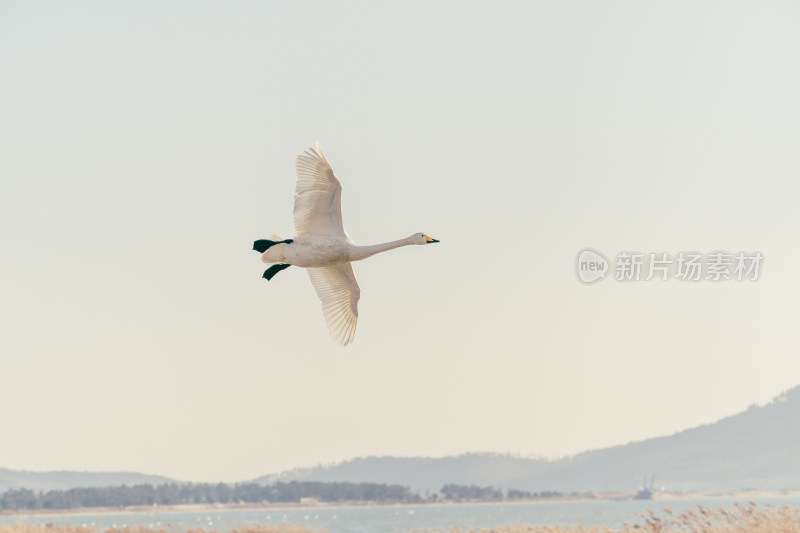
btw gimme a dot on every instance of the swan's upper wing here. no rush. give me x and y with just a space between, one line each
338 290
317 196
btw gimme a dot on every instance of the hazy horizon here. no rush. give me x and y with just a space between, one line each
532 456
146 145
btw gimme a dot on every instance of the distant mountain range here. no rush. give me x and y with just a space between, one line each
44 481
756 449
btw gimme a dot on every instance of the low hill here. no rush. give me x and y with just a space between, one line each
421 473
755 449
44 481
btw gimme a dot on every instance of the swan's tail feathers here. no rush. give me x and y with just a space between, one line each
262 245
274 269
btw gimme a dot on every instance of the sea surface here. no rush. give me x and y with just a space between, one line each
402 518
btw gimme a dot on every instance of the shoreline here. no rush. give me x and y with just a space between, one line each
197 508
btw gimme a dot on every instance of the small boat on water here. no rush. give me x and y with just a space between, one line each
645 492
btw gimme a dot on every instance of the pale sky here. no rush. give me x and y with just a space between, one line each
145 145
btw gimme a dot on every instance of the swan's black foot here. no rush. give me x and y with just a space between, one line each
262 245
274 269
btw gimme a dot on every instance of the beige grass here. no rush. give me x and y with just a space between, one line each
739 519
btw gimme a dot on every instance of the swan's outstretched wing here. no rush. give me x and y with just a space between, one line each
317 196
338 290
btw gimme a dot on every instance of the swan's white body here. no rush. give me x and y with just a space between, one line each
314 251
322 246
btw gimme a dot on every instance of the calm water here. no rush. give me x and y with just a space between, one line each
404 518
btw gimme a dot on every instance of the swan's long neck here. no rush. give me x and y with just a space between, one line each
362 252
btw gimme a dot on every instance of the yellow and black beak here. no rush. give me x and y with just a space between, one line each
430 239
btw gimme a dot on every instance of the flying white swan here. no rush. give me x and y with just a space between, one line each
322 247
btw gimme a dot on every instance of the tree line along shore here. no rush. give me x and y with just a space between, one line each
15 500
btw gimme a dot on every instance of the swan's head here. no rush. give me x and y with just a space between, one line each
421 238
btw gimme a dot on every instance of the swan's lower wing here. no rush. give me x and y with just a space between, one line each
338 290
